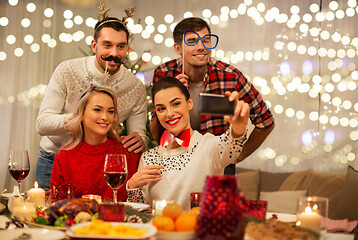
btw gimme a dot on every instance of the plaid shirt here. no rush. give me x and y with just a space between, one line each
222 77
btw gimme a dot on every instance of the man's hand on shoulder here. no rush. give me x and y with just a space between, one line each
134 142
184 79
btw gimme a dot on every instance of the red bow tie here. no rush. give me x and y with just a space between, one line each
182 139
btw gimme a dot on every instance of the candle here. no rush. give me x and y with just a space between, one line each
24 211
309 220
158 206
36 195
195 198
97 198
14 201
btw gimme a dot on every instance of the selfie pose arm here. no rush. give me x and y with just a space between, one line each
241 115
228 146
256 138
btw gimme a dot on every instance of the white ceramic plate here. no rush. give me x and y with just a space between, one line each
340 236
36 225
283 217
7 195
36 234
175 236
137 206
148 228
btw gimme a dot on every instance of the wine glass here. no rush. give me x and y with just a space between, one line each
19 165
115 171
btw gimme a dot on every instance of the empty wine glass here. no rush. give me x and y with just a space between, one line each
19 165
115 171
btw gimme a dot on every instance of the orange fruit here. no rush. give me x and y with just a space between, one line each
195 211
185 223
172 210
163 223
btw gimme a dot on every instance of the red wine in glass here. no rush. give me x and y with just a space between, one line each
19 174
115 179
19 165
115 171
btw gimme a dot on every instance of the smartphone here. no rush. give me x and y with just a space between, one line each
215 104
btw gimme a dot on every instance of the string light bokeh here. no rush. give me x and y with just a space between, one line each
306 69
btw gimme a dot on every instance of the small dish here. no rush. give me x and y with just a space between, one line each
7 195
148 228
35 234
175 236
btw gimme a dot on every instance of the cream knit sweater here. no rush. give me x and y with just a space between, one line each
69 81
185 169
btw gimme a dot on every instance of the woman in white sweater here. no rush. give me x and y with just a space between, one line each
173 172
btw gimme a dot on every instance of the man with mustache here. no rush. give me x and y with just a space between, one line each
203 74
73 77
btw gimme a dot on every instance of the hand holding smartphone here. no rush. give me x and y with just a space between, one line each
215 104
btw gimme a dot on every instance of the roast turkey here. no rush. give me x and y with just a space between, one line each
71 207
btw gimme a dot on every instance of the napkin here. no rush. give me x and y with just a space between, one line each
339 225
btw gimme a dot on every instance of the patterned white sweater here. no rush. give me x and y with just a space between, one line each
185 169
69 81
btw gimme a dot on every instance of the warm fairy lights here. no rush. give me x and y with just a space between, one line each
300 77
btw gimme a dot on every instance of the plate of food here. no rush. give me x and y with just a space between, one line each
73 211
98 230
65 213
275 229
36 225
33 234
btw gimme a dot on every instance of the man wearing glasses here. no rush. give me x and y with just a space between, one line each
203 74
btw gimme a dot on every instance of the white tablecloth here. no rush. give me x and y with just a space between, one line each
329 236
338 236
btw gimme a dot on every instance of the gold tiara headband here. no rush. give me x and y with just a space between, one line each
104 18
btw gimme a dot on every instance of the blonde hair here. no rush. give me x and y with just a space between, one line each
74 124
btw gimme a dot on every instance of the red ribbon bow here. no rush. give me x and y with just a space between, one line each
182 139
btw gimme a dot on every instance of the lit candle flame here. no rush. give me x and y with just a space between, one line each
298 223
315 207
308 210
196 196
36 185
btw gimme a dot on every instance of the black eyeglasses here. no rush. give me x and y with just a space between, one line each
209 41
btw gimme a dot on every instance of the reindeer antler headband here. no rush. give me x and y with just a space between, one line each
104 18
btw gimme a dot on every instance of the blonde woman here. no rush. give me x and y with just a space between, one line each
93 135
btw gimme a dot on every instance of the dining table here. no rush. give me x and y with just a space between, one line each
4 219
54 234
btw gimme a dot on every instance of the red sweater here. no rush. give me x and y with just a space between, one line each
83 166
